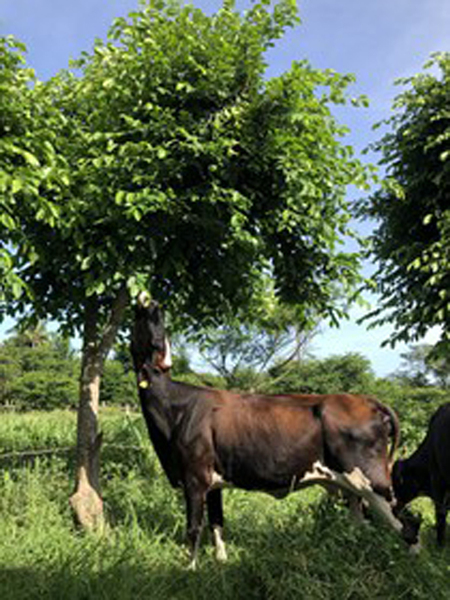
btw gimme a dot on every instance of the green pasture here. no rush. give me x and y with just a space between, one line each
304 547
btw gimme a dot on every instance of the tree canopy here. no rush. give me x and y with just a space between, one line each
190 174
29 165
411 243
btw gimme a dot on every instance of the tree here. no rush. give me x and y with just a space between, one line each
35 373
190 175
422 367
412 240
244 350
28 161
32 337
349 372
414 370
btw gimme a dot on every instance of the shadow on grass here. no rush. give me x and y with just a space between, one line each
304 547
298 552
302 550
127 581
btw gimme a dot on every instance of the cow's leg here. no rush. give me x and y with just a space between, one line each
355 506
440 506
195 503
441 519
215 518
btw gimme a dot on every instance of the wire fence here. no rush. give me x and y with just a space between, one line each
32 454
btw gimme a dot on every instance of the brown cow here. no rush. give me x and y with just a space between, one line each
207 438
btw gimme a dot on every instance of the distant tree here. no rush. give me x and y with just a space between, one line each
422 367
118 384
191 175
439 365
30 337
412 240
414 370
241 353
35 374
350 372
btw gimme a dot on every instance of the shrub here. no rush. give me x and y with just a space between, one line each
43 390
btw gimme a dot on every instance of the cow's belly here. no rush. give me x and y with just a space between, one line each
275 470
265 448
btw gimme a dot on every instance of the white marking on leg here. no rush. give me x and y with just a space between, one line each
193 564
218 482
194 553
219 544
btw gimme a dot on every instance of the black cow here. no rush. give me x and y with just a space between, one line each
207 438
427 471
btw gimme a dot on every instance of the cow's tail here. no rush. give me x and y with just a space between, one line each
394 433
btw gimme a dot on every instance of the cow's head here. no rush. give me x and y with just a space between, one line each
411 525
405 483
357 432
150 347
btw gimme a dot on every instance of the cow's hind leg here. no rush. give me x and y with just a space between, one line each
195 504
441 520
440 506
215 518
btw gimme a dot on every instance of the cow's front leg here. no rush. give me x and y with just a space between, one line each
215 518
195 502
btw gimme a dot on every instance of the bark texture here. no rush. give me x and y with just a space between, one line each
86 500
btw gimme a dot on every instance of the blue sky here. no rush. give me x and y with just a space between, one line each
376 41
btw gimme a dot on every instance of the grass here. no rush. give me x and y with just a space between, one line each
304 546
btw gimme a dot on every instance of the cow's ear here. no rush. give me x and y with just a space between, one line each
387 422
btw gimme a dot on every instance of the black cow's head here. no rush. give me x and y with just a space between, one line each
149 345
405 482
411 524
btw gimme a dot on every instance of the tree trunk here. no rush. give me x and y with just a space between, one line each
86 501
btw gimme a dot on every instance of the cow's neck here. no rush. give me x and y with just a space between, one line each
155 402
157 410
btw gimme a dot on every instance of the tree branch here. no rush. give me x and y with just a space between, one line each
115 319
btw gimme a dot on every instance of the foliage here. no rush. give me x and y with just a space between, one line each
302 546
412 240
190 174
341 373
37 371
30 168
118 385
422 367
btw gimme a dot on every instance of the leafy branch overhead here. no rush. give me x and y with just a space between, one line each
190 173
29 166
412 240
